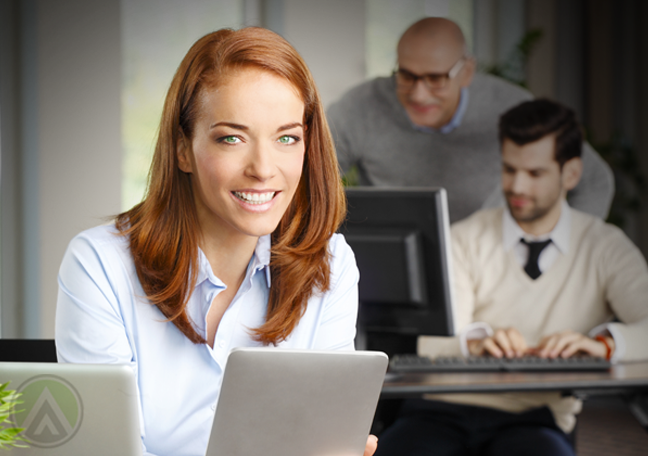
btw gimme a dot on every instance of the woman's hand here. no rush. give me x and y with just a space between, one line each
372 445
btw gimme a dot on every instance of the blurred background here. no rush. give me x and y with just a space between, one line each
82 83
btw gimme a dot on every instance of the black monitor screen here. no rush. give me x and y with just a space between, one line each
400 238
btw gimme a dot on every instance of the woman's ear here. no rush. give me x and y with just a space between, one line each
571 173
183 149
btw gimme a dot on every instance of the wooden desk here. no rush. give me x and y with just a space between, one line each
627 377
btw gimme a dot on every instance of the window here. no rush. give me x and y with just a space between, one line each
156 34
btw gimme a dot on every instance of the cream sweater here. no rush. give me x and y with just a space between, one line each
602 275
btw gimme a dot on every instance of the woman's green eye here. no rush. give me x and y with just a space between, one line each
231 139
285 139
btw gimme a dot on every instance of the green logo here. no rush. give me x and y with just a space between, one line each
52 411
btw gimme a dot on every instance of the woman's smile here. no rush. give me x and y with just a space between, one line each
255 197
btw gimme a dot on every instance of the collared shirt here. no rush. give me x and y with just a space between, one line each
103 316
512 235
456 118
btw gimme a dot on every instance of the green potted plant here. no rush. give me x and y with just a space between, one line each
9 436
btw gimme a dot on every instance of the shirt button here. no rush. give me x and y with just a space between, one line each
221 344
213 407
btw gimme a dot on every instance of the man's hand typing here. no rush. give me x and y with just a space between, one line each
505 342
567 343
511 344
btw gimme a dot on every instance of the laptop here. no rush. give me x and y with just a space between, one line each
75 409
279 402
272 402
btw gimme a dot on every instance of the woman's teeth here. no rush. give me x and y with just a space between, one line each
255 198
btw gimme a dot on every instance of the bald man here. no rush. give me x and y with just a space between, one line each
434 123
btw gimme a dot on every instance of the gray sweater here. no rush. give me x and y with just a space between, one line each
372 131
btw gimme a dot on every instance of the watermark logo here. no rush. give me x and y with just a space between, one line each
52 411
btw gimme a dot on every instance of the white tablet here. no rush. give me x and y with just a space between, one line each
278 402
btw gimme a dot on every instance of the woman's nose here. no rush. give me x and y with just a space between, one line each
260 164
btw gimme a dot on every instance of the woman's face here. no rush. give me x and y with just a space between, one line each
247 153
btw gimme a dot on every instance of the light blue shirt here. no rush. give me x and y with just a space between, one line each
102 316
456 118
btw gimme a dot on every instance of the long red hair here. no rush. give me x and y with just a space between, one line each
163 229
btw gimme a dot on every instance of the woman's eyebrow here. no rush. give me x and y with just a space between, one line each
228 124
245 128
290 126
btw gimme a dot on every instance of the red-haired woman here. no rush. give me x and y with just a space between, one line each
234 244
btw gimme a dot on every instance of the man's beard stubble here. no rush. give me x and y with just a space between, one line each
535 213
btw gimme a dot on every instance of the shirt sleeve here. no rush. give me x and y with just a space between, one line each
337 328
89 325
606 329
626 287
476 330
595 191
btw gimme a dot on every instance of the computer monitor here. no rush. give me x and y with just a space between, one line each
400 237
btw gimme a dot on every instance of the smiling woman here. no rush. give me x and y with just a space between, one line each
245 160
233 245
246 155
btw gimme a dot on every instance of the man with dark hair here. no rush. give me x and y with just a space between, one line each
535 277
434 123
531 121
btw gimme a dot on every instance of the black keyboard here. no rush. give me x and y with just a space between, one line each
413 363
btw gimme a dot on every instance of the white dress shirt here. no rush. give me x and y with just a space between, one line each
512 235
103 316
559 245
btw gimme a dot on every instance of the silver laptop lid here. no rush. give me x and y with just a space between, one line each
279 402
71 409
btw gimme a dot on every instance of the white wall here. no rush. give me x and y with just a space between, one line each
78 129
69 147
330 37
10 251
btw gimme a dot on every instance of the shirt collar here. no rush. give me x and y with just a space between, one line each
455 122
260 260
512 233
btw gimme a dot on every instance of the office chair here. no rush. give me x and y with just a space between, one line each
28 350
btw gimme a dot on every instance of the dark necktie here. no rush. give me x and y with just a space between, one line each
535 248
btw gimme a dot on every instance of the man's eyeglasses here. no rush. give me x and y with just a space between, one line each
433 81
